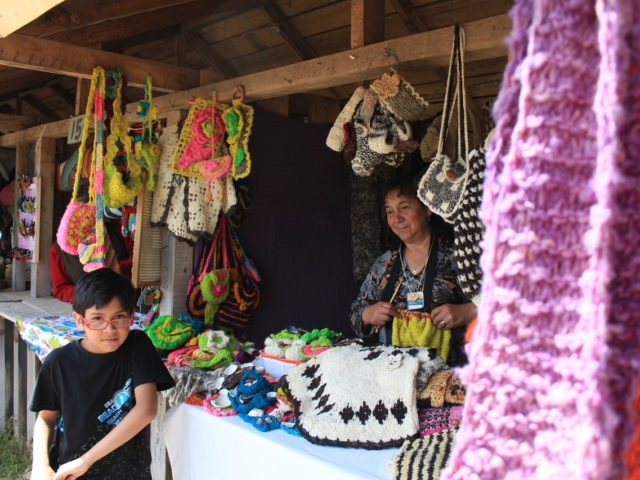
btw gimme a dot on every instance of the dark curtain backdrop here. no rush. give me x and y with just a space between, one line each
298 229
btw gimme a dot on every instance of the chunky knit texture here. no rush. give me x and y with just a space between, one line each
556 349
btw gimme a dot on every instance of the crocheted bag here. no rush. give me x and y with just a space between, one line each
79 218
196 303
147 152
443 186
415 329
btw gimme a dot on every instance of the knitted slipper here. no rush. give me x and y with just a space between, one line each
337 136
264 423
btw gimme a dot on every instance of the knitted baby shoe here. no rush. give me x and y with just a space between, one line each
429 143
337 136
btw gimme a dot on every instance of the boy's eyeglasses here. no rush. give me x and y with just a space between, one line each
102 324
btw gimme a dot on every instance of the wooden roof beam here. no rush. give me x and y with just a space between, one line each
485 40
41 107
14 123
206 52
409 16
68 98
292 37
145 22
23 51
367 22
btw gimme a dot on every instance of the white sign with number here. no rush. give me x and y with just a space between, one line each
75 129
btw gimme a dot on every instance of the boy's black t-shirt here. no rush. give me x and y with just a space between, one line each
93 393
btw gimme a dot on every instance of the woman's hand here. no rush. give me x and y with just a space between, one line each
72 469
379 313
448 316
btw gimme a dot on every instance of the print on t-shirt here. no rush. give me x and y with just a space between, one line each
117 407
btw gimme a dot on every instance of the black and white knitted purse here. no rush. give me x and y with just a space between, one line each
357 396
425 458
442 187
469 230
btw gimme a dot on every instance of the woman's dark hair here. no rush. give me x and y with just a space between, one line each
99 287
409 188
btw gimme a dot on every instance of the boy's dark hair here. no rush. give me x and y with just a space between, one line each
99 287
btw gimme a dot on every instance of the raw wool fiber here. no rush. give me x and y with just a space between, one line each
189 380
556 350
425 458
356 396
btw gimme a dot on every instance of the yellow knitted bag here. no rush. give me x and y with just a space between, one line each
117 192
415 329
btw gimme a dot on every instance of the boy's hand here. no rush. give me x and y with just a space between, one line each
73 469
42 473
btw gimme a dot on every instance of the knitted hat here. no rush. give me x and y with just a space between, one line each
169 333
337 138
399 97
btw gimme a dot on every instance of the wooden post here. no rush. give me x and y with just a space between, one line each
18 274
367 22
45 170
160 466
20 389
32 369
277 105
323 109
82 95
6 371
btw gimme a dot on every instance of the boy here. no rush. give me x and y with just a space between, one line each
99 391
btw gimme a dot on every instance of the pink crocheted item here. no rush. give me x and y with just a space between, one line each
313 350
556 353
207 135
216 411
181 357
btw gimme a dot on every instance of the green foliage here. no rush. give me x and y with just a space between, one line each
14 464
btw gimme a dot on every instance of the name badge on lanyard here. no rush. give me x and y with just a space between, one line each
415 301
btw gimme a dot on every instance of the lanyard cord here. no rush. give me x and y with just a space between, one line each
424 269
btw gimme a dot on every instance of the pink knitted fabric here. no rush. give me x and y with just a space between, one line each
556 351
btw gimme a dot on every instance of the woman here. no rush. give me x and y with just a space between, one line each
406 273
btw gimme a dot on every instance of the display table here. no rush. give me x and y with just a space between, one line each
43 334
203 446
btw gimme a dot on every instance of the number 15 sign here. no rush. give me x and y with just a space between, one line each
75 129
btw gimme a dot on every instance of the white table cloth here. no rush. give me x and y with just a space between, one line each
202 447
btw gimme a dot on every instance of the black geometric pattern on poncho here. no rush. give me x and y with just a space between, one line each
469 229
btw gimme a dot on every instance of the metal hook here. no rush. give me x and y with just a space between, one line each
387 53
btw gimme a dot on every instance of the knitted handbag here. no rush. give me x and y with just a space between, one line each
147 152
96 251
398 97
415 329
215 284
196 304
79 218
117 192
238 120
442 187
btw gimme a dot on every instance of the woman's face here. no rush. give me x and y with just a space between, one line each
407 216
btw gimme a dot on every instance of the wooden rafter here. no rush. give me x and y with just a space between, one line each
292 37
75 13
206 52
431 49
64 94
238 7
145 22
367 22
23 51
41 107
14 123
130 45
409 16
